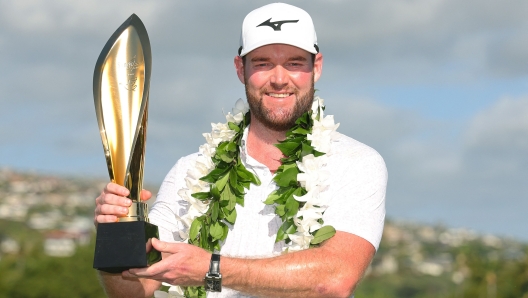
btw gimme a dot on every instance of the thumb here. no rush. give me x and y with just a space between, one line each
162 246
145 195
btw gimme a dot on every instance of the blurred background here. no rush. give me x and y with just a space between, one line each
438 87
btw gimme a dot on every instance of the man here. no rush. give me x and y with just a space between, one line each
278 63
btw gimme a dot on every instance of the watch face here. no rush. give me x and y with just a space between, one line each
213 285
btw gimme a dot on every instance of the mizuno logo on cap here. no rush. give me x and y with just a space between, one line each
276 25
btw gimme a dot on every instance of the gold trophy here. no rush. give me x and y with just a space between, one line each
121 92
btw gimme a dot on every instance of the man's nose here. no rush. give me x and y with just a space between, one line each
279 77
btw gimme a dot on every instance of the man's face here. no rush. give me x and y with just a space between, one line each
279 81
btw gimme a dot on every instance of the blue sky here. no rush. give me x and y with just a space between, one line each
439 88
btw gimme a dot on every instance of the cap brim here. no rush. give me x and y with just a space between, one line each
309 48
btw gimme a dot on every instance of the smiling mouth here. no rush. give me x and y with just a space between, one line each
279 95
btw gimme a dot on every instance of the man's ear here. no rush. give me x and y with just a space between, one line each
318 66
239 66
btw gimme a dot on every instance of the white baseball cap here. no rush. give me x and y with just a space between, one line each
278 23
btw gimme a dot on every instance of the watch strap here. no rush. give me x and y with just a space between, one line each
213 278
214 266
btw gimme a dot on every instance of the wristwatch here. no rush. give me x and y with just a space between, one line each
213 278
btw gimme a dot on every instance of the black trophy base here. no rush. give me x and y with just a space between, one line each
122 245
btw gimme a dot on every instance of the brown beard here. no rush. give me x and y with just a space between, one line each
286 119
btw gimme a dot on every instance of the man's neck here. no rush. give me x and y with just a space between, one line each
260 144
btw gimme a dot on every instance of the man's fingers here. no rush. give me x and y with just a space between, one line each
107 212
111 204
105 218
148 245
133 273
112 199
114 188
164 247
147 272
145 195
111 210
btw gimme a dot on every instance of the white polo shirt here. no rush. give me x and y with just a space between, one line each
357 187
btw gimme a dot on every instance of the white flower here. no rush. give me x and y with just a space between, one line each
241 106
161 294
300 241
183 234
311 163
196 204
237 118
309 221
220 133
174 292
317 107
323 132
313 198
196 173
196 209
207 151
187 220
310 216
240 109
196 185
204 164
314 206
312 176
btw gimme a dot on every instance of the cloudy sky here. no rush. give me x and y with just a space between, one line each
438 87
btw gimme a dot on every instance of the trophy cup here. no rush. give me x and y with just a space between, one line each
121 92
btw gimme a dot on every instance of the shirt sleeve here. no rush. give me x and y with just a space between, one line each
357 191
168 203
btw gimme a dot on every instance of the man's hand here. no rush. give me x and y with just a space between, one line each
113 203
330 270
182 264
109 206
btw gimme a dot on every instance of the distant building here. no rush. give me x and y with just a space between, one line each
387 265
9 246
59 244
45 221
13 212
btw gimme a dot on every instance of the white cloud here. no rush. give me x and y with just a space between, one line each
497 142
425 41
503 126
372 122
63 16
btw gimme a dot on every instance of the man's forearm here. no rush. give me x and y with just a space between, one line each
332 270
116 286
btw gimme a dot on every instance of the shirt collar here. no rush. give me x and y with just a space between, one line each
244 155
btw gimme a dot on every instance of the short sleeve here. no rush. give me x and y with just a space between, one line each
168 203
357 190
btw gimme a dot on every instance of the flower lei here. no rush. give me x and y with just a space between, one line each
217 182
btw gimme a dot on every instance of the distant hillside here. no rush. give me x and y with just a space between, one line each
416 260
46 222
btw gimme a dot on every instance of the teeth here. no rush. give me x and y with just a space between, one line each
280 95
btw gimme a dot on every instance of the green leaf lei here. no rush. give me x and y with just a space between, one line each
294 147
229 179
